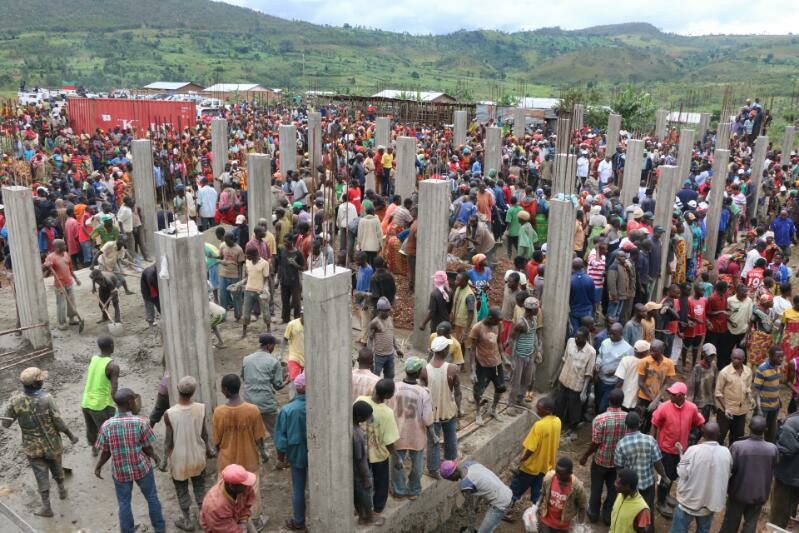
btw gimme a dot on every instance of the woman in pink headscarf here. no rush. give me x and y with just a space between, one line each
438 308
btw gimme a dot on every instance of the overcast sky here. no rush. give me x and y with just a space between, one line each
443 16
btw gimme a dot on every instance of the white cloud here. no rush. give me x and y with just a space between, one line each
443 16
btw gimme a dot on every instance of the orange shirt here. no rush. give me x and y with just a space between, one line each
235 430
485 202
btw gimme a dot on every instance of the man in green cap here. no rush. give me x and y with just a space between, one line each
106 232
41 426
413 411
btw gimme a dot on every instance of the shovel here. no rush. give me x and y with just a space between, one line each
114 328
71 303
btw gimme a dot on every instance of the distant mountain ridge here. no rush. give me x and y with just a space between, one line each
129 43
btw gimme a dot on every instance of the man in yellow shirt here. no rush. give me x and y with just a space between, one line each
540 452
387 162
295 338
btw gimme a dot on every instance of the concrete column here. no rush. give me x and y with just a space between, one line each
668 185
518 122
578 116
661 120
723 135
633 163
684 152
288 148
315 140
259 189
434 202
721 158
565 174
493 149
219 146
144 193
328 343
382 131
612 136
758 162
557 287
787 144
460 120
704 123
29 290
405 177
562 142
184 316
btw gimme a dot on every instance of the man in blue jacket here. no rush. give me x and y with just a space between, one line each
291 443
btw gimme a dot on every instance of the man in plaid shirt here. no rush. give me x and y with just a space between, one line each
640 452
127 440
606 431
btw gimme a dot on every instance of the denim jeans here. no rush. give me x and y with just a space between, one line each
410 484
602 476
681 522
299 477
86 252
491 520
449 428
603 396
523 481
380 485
226 299
614 308
384 364
124 492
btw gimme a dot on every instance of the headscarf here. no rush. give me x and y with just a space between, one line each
299 382
442 283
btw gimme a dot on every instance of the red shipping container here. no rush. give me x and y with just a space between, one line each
87 114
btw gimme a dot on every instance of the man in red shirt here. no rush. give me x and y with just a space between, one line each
59 264
716 311
696 329
563 498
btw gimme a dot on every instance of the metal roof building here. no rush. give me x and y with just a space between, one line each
172 87
241 91
416 96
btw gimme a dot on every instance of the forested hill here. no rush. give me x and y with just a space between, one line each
128 43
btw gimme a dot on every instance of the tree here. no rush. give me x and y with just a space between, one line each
636 108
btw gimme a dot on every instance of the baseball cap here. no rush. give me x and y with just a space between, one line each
32 374
658 229
678 388
414 364
447 468
440 343
641 346
106 218
383 304
237 475
708 349
241 219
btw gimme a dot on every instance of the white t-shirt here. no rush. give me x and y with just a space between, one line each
628 371
604 171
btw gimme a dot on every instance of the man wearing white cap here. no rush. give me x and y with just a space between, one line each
41 426
627 372
441 379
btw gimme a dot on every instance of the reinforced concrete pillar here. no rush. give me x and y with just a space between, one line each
723 135
565 174
219 146
578 115
259 189
758 162
684 152
668 185
612 136
459 119
184 315
434 202
29 290
405 178
144 193
382 131
493 149
518 122
328 363
704 123
633 164
787 144
721 158
315 140
661 120
557 288
288 148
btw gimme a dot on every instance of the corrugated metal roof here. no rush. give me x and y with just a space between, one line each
234 87
419 96
683 118
167 85
538 103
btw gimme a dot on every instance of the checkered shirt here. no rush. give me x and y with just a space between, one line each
606 431
124 436
639 452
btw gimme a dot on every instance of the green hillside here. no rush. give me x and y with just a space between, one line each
105 44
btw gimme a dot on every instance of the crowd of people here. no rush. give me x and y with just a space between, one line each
669 367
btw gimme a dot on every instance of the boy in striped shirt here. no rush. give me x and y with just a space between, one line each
766 389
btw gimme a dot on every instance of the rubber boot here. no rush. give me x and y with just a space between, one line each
45 509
